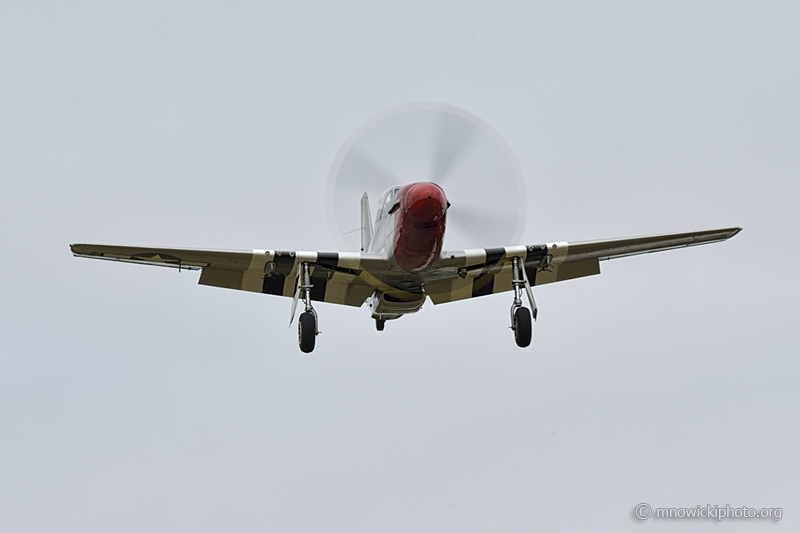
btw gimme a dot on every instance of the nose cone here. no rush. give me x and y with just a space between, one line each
425 204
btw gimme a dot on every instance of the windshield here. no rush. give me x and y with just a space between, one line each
388 199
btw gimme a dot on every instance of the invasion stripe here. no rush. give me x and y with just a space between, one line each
319 278
328 259
320 284
273 284
531 272
493 255
276 280
284 261
483 285
535 254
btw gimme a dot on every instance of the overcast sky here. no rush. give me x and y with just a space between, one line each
132 399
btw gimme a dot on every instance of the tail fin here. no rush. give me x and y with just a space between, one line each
366 223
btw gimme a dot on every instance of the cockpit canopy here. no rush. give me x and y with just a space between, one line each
387 200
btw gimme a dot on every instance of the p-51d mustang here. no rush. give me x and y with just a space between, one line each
401 263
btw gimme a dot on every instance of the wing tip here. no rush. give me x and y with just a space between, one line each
83 250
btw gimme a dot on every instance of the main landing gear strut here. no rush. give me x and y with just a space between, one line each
307 330
521 316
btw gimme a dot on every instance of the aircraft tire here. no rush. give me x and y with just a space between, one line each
307 332
379 324
522 327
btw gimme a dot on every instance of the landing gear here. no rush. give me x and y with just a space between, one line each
521 316
522 327
307 330
379 324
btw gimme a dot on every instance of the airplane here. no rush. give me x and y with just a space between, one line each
401 264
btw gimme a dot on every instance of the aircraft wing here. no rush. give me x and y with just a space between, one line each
349 278
472 273
338 278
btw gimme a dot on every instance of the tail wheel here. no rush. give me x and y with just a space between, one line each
307 332
522 327
379 324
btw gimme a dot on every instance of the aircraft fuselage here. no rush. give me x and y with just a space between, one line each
409 232
419 226
410 226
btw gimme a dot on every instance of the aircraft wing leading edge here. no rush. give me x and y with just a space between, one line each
472 273
349 278
337 277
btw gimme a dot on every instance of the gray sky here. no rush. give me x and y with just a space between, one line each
133 400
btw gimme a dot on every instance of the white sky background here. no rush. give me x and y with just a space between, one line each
133 400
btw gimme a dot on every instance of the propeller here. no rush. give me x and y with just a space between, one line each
431 142
452 146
